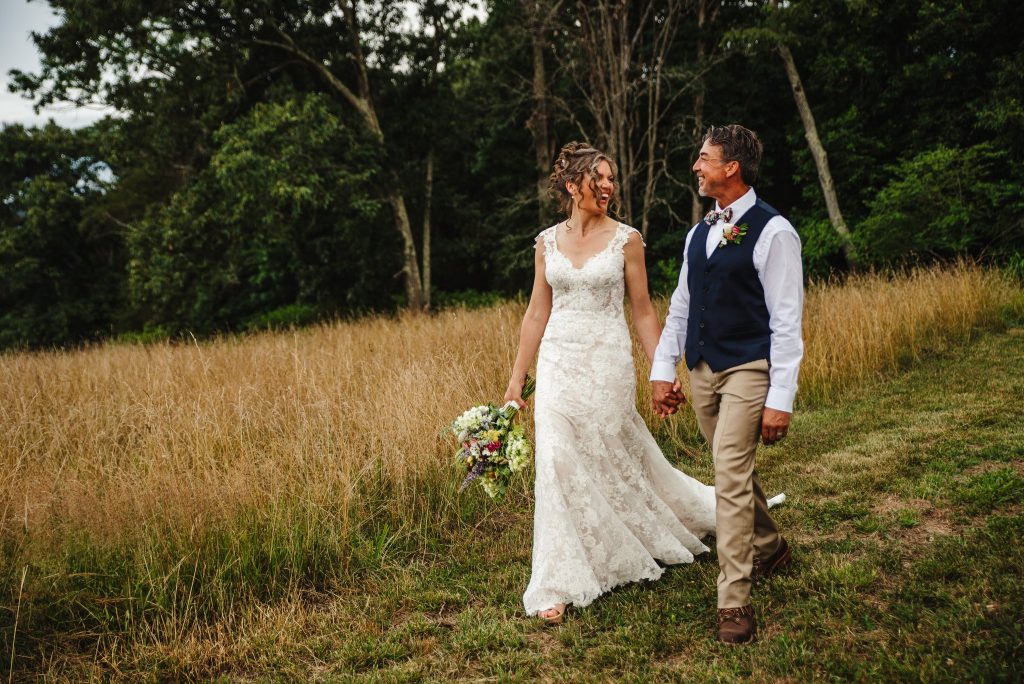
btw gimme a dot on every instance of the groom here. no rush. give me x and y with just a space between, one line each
735 317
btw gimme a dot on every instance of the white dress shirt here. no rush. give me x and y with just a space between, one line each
778 265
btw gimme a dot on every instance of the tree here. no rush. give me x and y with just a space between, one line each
937 206
60 264
430 49
275 221
706 16
629 86
828 188
172 42
817 149
541 22
440 130
362 100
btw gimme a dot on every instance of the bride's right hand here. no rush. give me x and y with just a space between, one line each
515 393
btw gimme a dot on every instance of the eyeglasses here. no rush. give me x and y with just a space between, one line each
713 161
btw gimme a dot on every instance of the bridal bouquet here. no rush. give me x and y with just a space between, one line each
491 447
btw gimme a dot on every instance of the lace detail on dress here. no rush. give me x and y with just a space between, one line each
608 503
622 236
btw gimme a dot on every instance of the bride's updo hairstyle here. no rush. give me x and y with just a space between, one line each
575 161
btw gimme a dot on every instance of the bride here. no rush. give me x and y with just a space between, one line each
609 506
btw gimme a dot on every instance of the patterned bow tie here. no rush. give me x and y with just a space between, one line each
713 216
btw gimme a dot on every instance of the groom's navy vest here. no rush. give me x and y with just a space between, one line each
728 321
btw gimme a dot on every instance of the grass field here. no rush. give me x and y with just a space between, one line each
282 506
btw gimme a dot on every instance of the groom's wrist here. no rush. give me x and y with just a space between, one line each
780 399
663 371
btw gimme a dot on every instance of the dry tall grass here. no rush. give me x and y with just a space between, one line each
287 433
176 471
874 324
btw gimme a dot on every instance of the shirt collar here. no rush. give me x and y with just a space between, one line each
742 205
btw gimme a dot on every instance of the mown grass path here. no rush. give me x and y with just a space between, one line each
905 510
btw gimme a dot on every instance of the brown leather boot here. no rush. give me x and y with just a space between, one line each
736 625
781 558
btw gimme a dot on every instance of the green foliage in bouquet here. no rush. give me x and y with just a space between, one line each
491 447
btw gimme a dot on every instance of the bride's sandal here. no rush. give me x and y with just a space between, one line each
555 614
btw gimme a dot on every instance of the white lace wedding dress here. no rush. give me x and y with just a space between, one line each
608 503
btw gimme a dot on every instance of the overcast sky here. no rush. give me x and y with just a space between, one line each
17 51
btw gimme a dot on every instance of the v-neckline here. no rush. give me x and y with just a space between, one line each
592 256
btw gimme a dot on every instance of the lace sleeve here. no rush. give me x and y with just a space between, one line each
546 239
622 237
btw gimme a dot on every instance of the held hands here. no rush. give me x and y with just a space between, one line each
774 425
666 397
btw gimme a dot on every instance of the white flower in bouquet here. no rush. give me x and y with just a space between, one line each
491 449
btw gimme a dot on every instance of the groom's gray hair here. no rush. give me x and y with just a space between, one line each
738 144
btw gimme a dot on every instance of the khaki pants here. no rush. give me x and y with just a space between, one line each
728 407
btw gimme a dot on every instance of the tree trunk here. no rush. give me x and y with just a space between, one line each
618 45
410 267
820 157
653 97
697 205
428 202
663 39
538 123
606 61
362 102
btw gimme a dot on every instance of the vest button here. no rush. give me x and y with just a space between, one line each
702 324
702 343
703 308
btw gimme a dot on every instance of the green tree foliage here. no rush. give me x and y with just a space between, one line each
943 203
245 183
282 215
59 259
897 87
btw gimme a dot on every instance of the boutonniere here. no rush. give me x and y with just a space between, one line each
733 233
